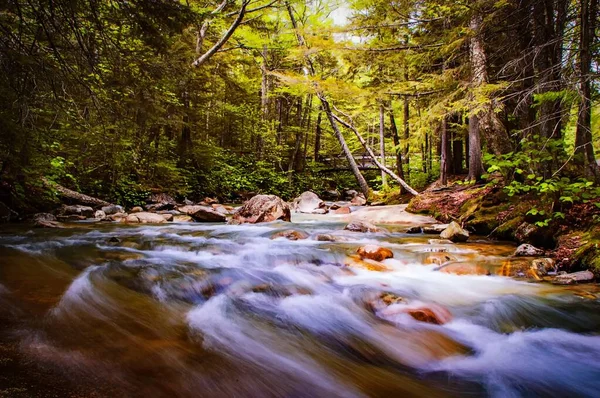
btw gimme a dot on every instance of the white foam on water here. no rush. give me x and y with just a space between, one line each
548 361
223 332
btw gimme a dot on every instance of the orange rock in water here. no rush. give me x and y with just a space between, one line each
371 265
433 313
464 269
373 252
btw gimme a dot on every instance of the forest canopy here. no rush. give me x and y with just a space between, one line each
117 99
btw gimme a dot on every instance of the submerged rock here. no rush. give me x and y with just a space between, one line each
432 313
374 252
263 208
527 250
439 258
290 234
308 202
574 277
455 233
371 265
362 226
541 266
464 269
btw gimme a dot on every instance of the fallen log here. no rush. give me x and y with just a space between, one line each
74 196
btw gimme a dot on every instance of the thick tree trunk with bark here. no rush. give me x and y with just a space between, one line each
584 149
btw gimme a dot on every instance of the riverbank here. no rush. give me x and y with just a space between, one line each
571 237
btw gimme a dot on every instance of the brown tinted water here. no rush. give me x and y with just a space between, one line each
208 310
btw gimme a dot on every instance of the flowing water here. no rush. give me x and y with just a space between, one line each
218 311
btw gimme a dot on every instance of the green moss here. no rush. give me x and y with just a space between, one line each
507 229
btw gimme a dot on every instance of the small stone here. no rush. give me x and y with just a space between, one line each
114 239
358 201
435 228
439 258
137 209
415 230
440 242
113 209
100 215
167 216
543 265
434 314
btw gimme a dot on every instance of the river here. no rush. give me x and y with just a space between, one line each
213 310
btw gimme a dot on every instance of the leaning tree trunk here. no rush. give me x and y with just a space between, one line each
364 187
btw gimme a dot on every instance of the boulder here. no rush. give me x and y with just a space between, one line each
455 233
415 230
100 215
527 250
167 216
137 209
308 202
362 226
374 252
358 200
434 229
573 278
207 214
113 209
145 218
77 210
160 206
182 218
263 208
221 209
189 209
343 210
290 234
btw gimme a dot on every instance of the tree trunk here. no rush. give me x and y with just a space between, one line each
364 187
584 149
406 116
478 78
382 142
